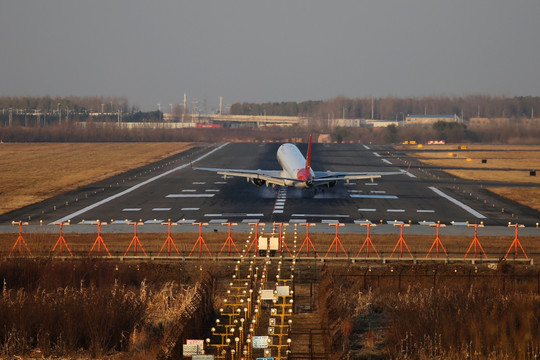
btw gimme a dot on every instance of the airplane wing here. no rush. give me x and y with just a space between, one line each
268 176
329 176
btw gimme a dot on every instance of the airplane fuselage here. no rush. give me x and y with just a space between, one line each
294 166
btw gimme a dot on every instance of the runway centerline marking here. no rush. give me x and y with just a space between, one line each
135 187
467 208
132 209
161 209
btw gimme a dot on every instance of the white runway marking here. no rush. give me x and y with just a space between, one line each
213 215
362 222
407 173
216 221
135 187
161 209
371 184
156 221
460 223
367 210
373 196
378 192
426 223
320 215
190 209
185 221
366 147
300 221
376 154
458 203
211 190
199 182
249 221
121 222
330 221
189 190
386 162
220 183
395 210
279 205
189 195
425 211
132 209
395 222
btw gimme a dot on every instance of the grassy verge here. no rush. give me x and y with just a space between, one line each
502 163
31 172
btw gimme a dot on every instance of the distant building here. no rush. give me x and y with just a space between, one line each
344 123
379 123
430 119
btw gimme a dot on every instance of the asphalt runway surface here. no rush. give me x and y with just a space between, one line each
171 190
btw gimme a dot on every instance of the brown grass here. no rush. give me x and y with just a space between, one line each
433 312
31 172
514 162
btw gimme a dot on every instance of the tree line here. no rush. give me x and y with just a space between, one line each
394 108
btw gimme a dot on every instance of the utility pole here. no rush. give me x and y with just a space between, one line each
184 107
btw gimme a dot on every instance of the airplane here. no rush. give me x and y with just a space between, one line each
296 172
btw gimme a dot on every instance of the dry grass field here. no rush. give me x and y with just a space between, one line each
31 172
507 163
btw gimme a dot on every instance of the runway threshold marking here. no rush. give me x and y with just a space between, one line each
321 215
189 195
359 196
279 205
135 187
467 208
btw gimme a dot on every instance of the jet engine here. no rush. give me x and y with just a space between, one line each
258 182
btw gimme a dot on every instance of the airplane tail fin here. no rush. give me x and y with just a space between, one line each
308 157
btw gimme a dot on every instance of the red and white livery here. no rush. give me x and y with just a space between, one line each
296 171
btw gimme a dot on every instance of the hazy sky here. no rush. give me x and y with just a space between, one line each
257 51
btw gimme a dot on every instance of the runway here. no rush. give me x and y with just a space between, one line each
172 191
